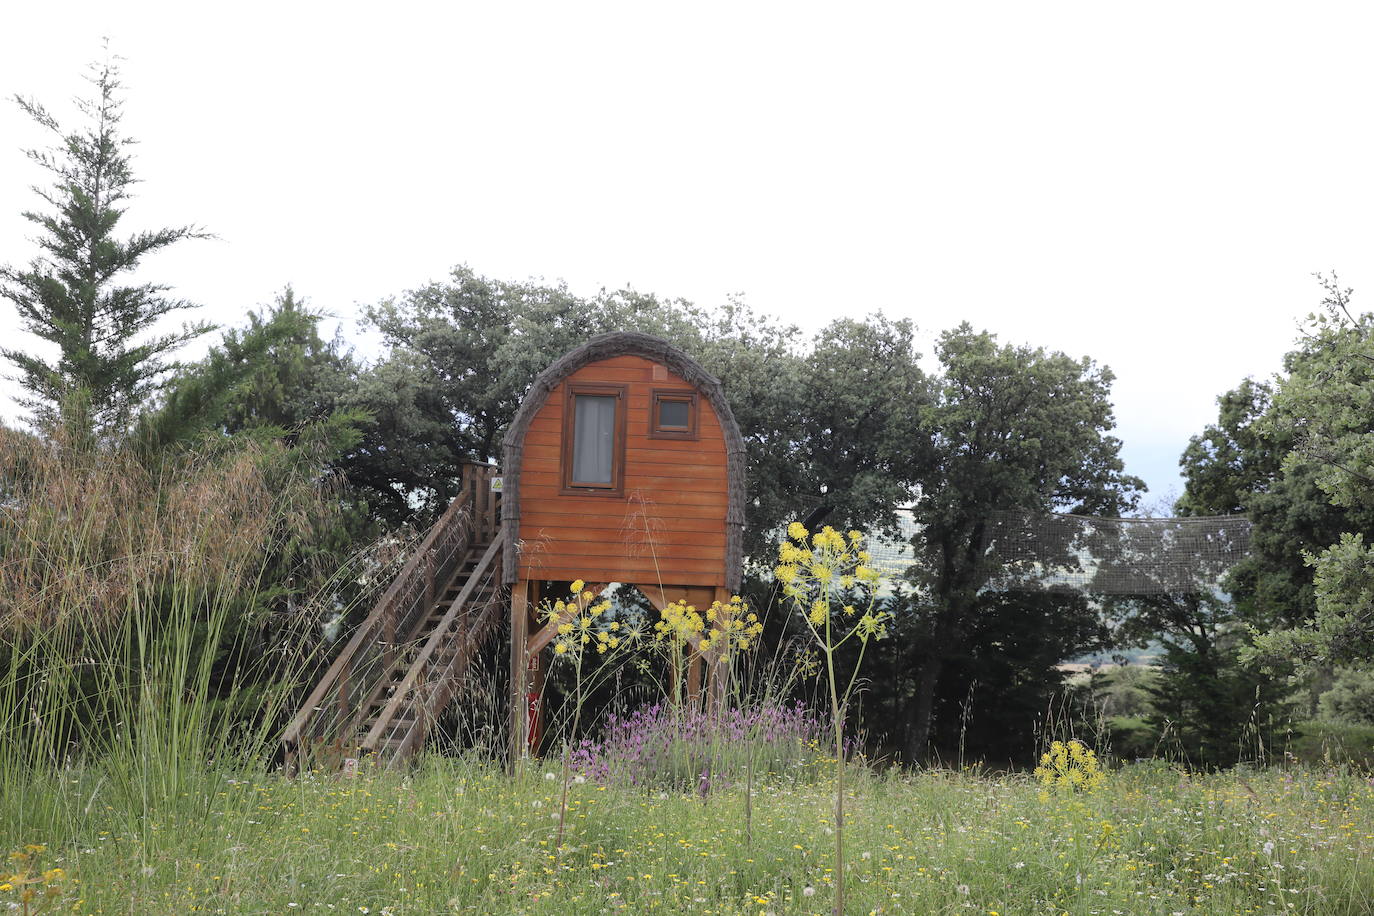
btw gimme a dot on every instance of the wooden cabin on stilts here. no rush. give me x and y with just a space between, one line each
623 465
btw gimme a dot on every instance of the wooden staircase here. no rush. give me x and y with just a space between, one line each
406 662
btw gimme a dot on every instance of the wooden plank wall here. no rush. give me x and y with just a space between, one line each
668 528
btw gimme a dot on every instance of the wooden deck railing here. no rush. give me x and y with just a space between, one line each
334 710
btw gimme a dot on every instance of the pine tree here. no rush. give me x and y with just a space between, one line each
107 363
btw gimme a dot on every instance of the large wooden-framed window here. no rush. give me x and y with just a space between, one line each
673 414
594 440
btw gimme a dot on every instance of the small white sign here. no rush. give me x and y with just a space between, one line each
496 484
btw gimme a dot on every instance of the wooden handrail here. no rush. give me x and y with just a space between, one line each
463 510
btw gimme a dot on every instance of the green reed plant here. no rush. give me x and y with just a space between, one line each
134 638
828 578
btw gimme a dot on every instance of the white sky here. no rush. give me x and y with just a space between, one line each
1150 185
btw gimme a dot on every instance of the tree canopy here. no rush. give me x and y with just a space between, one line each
1010 428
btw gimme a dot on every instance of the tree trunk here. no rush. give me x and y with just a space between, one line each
923 708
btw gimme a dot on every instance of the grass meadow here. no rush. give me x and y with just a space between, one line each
455 835
140 710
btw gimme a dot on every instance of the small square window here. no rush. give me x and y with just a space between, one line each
674 415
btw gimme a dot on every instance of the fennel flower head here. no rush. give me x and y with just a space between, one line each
1070 766
583 623
726 626
827 575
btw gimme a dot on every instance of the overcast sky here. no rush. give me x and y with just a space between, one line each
1149 185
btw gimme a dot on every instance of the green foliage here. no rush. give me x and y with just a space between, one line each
1326 743
275 384
1325 402
106 365
1288 455
995 683
1125 689
1233 459
1342 629
273 379
1210 708
1131 737
1350 699
406 464
861 430
1324 405
1237 465
298 380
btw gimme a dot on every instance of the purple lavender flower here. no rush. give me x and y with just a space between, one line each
660 745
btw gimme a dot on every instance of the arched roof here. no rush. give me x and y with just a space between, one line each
608 346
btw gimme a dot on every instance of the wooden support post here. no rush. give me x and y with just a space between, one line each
534 684
672 683
481 502
519 663
389 637
534 705
343 700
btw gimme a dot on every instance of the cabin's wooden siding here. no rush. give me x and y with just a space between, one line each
668 527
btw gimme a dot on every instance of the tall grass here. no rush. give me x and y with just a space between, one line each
460 836
139 645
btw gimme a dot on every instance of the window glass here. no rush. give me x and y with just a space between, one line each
593 439
674 414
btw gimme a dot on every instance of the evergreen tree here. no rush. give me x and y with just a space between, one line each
107 362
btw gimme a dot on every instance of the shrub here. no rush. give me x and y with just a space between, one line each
1131 738
662 746
1351 698
1319 741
